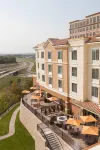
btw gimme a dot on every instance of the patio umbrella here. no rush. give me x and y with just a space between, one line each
73 121
52 98
35 97
89 118
38 91
90 130
33 88
25 92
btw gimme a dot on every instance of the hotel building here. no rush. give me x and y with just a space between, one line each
52 67
70 70
86 27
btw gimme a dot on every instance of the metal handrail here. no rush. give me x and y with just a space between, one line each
71 143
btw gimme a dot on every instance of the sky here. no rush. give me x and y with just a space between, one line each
25 23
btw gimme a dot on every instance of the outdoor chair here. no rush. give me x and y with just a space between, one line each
64 126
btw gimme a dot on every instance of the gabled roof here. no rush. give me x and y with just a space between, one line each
56 41
39 45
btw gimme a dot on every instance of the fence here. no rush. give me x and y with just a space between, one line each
57 130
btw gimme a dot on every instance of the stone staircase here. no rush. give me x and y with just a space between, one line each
52 139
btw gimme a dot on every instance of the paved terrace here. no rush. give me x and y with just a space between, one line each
36 135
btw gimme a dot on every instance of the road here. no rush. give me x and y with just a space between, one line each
24 65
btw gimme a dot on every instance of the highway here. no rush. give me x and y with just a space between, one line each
12 71
25 65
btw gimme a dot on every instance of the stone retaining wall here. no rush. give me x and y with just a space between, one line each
30 121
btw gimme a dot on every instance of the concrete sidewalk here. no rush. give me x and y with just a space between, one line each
11 125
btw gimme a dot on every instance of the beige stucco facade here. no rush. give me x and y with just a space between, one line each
84 65
55 63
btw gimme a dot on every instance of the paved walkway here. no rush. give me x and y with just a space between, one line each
11 125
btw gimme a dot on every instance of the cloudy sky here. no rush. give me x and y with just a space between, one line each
25 23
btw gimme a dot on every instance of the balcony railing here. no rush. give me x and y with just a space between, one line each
57 130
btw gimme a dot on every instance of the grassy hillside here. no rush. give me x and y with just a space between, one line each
21 140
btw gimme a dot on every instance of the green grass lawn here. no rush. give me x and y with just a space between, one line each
4 122
4 82
21 140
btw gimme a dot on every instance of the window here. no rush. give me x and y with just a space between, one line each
42 66
49 55
59 69
84 23
75 25
95 73
90 20
74 55
38 54
95 91
87 21
95 54
43 78
91 27
59 54
42 54
98 25
74 87
74 71
98 18
38 65
50 80
60 84
94 19
38 75
93 33
87 28
49 68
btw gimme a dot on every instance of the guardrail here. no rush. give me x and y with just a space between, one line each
57 130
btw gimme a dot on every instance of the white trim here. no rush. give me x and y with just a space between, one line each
54 90
50 85
60 89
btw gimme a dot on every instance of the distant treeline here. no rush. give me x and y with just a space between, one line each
7 59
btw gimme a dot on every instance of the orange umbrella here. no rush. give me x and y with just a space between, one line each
72 121
38 91
35 97
90 130
25 92
89 118
33 88
52 98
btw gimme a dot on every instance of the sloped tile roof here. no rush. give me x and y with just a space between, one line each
90 106
56 42
39 45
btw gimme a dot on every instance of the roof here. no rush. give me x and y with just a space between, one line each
74 21
93 39
56 42
90 106
39 45
93 14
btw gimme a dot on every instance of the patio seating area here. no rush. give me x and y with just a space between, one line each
80 133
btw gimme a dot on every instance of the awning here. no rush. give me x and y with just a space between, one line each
89 118
90 130
25 92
